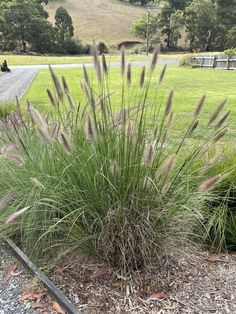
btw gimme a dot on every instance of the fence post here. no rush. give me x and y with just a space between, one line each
227 63
214 62
202 62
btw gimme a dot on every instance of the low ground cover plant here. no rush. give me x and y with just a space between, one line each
107 178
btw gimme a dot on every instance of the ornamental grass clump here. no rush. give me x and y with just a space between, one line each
105 176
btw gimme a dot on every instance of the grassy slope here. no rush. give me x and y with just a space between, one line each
109 20
189 86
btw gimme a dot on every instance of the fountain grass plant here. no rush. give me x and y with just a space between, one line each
108 179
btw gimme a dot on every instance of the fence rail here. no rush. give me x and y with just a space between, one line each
215 62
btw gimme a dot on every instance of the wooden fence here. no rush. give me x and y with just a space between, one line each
215 62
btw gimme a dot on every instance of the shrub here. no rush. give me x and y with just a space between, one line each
102 47
230 52
186 60
106 177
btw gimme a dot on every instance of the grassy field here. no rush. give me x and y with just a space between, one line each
108 20
189 85
44 59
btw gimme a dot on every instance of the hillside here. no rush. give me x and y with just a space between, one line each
109 20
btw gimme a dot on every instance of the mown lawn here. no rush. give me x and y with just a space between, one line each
44 59
189 85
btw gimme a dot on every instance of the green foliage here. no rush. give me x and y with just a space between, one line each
64 24
108 177
7 108
186 60
230 52
102 47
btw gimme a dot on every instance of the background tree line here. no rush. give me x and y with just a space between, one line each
208 24
24 26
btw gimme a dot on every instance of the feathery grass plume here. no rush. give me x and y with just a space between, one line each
89 131
97 64
166 166
142 77
14 157
56 83
43 134
11 147
65 86
37 118
115 169
163 138
211 164
154 59
8 198
66 142
86 75
104 64
162 74
28 106
19 110
193 128
37 183
16 215
130 130
217 111
170 120
122 61
86 91
210 183
166 188
220 135
220 123
55 130
199 107
149 155
129 74
169 103
70 101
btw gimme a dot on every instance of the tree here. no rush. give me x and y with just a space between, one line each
64 24
139 27
203 28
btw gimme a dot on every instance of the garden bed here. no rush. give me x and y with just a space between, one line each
202 284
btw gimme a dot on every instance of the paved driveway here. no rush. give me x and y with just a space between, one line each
15 84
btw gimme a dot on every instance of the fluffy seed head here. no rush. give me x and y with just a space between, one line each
154 59
129 74
56 83
220 123
166 166
199 106
169 103
90 132
52 99
122 61
104 64
220 135
65 86
142 77
115 170
162 74
86 76
210 183
37 183
217 111
66 142
8 198
16 215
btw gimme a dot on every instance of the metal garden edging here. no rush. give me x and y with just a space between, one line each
53 290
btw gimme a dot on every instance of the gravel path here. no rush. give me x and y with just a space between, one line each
15 84
10 291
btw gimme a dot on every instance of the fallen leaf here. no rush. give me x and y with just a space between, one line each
17 273
99 273
38 306
158 296
118 284
57 308
11 268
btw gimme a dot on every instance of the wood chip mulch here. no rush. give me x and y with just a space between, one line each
201 284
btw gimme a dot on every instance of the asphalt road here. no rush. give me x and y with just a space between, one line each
15 84
19 79
89 65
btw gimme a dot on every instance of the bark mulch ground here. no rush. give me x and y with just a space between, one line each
202 284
